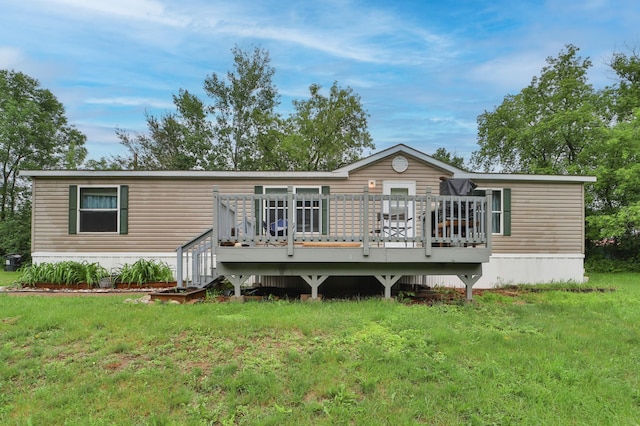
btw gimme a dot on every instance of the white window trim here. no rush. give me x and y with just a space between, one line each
295 187
117 209
501 211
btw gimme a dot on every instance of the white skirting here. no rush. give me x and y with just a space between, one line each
505 269
108 260
502 269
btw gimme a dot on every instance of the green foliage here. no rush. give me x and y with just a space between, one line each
241 130
67 272
545 127
34 134
243 108
450 158
15 232
143 271
325 132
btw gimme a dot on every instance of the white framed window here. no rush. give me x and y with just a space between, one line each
308 210
98 209
497 208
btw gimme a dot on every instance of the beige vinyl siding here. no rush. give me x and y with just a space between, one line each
424 175
545 218
164 213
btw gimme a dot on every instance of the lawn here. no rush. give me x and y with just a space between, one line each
550 357
7 278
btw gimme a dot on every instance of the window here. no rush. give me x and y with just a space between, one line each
307 210
496 211
500 209
98 210
398 203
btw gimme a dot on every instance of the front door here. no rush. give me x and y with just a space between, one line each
398 215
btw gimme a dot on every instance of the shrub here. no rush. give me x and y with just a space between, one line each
67 272
144 271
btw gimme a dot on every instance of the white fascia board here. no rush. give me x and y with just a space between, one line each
524 177
185 174
400 149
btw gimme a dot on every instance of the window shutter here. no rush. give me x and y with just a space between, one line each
506 208
326 190
258 190
124 209
73 209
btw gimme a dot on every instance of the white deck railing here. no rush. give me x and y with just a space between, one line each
376 219
337 220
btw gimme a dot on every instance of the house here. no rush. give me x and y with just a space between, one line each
388 215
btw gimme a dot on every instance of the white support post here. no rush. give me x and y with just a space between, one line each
388 281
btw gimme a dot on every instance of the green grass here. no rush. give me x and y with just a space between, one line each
551 357
8 278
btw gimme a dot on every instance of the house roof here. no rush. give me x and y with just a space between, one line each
339 174
183 174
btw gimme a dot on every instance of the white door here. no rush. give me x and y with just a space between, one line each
398 215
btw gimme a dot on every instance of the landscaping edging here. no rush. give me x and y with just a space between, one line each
117 286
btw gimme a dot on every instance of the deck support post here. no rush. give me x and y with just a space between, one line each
388 281
237 281
314 281
179 279
469 280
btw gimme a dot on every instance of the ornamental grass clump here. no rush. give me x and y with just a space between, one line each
67 273
144 271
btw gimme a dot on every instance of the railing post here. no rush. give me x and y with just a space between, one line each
291 225
365 224
179 281
427 225
216 215
489 218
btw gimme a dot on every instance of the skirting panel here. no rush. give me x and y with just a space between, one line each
504 269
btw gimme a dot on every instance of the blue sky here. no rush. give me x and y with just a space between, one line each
424 69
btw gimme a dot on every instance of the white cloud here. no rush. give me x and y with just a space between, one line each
146 10
10 57
129 101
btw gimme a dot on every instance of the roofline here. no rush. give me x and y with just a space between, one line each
397 149
183 174
524 177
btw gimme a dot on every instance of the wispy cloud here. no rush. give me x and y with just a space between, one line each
10 57
143 10
130 101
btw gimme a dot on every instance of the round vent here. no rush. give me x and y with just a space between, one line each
400 164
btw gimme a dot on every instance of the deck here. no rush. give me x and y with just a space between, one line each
314 236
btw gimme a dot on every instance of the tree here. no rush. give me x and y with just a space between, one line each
627 91
545 127
326 132
181 140
243 108
446 157
34 134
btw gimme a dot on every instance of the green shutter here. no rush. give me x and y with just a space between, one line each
73 209
506 209
258 190
124 209
326 190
